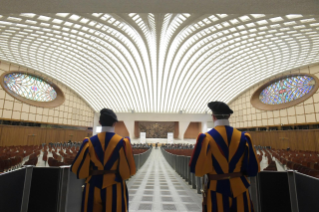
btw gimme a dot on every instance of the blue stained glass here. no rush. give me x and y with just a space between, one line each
30 87
287 89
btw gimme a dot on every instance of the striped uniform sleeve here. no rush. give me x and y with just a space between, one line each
201 160
126 160
253 166
81 163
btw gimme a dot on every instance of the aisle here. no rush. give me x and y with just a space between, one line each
157 187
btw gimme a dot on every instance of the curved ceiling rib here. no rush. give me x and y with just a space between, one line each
159 63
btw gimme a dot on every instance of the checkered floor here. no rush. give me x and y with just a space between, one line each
157 187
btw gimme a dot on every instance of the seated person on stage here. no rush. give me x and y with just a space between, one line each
105 161
227 157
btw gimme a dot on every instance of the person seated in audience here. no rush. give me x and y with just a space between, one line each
226 156
105 161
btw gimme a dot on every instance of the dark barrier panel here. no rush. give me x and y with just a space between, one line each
274 192
14 190
74 194
253 191
307 192
141 158
45 188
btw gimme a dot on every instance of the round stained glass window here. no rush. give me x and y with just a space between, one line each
32 89
285 92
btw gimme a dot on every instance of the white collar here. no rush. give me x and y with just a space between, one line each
107 129
221 122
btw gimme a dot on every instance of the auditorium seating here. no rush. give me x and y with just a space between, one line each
68 161
32 161
185 152
54 162
139 151
271 166
12 157
306 162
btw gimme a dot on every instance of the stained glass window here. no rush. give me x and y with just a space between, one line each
30 87
287 90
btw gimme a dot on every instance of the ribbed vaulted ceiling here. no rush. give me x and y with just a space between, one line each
161 63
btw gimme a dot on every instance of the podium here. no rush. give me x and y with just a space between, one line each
142 137
170 137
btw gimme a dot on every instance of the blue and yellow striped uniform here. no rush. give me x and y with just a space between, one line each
223 150
108 192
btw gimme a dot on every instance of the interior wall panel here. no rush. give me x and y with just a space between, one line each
121 129
21 135
192 131
295 139
176 130
136 129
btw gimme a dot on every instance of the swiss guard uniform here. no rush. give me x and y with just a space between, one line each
227 157
106 161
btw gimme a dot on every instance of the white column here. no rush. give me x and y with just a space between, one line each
182 125
96 122
130 128
204 126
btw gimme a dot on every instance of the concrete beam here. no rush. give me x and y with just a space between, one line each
162 6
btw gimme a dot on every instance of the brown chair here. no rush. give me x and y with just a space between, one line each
52 162
314 173
271 167
68 161
2 165
7 164
32 161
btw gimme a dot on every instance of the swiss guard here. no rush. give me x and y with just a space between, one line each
105 161
227 157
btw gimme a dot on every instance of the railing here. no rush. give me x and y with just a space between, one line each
141 158
49 189
270 191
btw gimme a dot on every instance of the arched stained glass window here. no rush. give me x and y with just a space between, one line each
287 90
30 87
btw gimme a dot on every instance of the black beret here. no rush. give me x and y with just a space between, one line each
107 114
219 108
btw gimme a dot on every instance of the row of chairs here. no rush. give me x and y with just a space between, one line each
59 157
305 162
13 151
54 162
32 161
138 151
10 164
12 157
184 152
